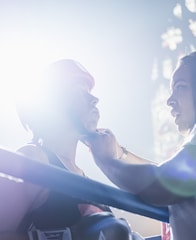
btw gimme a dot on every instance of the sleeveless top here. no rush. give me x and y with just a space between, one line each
58 211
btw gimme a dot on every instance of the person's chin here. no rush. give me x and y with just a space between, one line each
184 131
91 129
87 133
91 126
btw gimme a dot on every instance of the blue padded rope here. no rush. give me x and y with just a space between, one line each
76 186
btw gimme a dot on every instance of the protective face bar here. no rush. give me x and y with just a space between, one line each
87 190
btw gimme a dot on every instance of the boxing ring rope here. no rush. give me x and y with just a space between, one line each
57 179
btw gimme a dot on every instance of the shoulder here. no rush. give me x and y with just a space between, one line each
190 144
191 139
36 193
34 152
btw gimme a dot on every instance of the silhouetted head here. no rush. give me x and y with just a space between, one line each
183 93
61 98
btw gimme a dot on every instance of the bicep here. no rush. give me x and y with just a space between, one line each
35 191
179 173
174 180
17 198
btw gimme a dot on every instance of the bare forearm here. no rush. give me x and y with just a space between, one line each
133 173
139 179
130 177
130 157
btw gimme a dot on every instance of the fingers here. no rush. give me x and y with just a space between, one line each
104 131
101 143
86 139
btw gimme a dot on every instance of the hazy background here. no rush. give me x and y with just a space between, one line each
115 40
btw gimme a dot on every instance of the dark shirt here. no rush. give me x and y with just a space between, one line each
58 211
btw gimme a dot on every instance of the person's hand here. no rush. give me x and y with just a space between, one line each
103 145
